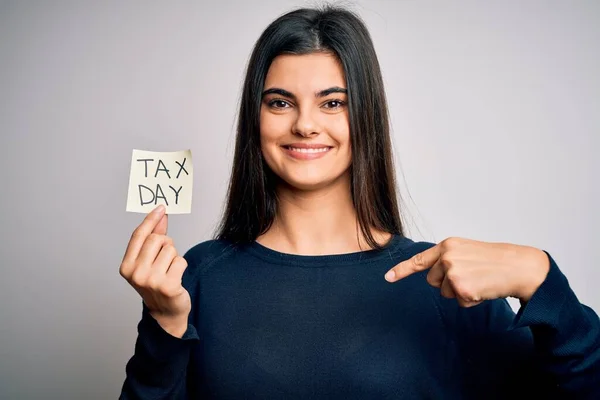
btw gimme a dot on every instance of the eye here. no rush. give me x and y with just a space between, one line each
278 103
334 104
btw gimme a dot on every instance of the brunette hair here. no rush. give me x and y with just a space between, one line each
251 201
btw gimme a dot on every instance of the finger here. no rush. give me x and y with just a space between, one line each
164 259
177 268
446 289
436 274
467 285
466 303
172 285
161 227
152 246
143 273
141 233
419 262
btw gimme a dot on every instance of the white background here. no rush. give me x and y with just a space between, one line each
496 118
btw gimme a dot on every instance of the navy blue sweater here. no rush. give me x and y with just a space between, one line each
268 325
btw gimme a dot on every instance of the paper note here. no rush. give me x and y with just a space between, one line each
160 178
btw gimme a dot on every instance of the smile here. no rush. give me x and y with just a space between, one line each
319 150
306 153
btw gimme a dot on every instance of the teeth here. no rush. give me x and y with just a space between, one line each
321 150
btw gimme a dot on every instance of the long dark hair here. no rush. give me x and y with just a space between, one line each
252 202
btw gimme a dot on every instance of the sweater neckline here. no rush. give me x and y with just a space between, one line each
396 243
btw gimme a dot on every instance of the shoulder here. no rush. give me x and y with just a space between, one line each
201 256
208 251
409 247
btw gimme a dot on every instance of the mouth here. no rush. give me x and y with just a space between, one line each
308 149
306 152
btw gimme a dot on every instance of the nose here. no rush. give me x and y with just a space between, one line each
306 125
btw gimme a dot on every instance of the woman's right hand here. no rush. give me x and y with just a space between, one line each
153 267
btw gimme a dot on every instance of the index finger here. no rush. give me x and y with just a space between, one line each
140 233
419 262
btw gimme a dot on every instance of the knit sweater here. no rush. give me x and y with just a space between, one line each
270 325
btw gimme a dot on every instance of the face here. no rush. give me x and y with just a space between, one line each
304 128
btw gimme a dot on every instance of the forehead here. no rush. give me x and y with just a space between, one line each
306 72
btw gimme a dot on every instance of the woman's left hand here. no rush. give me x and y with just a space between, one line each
473 271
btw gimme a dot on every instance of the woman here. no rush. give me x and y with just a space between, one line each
293 299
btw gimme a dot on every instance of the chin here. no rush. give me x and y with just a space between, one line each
313 183
307 186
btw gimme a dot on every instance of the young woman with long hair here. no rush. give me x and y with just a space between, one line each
311 288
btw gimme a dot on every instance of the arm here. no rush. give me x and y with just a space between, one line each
552 344
566 336
152 266
157 369
549 349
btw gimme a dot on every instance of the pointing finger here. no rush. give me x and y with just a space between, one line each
419 262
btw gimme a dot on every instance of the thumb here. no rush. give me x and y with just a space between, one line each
161 227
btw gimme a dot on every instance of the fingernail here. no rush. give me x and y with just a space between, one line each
390 275
159 209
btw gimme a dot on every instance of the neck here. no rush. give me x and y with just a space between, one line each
317 222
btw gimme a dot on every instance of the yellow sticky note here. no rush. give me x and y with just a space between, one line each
160 178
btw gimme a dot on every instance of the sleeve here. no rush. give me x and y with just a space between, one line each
158 367
566 336
549 349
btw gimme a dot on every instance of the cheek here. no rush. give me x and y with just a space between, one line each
269 137
341 134
272 127
345 143
268 147
340 128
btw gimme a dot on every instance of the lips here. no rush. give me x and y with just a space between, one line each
305 151
307 145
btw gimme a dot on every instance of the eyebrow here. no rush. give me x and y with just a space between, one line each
322 93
